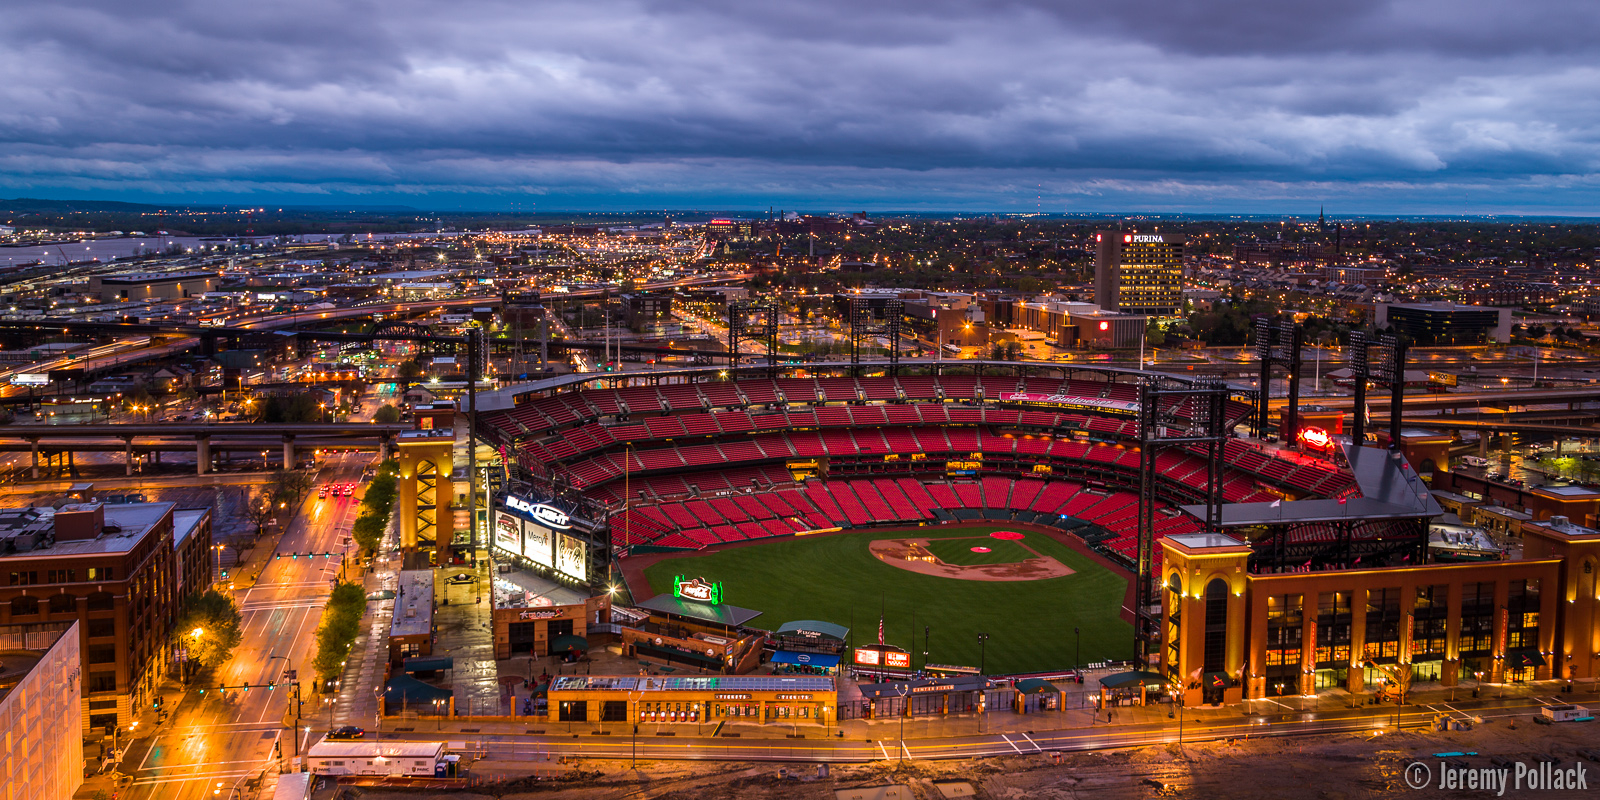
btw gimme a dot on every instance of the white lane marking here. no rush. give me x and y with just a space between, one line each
883 751
1013 744
1036 747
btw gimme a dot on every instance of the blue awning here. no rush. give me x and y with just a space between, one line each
805 659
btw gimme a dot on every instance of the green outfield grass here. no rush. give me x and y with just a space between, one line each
959 551
835 579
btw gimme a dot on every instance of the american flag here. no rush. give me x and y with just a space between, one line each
880 630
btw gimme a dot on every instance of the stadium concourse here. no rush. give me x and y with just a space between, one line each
702 459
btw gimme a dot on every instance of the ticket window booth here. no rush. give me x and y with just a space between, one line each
657 712
736 711
794 711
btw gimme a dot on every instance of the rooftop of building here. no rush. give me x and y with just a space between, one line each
436 433
1441 305
1204 541
1566 528
413 605
24 647
1569 492
523 589
186 521
155 277
31 532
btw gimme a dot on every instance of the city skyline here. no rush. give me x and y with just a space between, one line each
1373 108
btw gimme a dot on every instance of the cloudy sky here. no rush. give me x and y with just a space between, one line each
1369 106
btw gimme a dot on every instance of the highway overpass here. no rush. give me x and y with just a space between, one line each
58 440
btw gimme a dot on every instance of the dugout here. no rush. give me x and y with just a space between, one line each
956 695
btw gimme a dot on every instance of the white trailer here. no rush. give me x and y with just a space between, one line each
1564 713
408 759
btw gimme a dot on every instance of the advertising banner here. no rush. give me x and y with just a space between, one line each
537 545
572 557
1071 400
508 534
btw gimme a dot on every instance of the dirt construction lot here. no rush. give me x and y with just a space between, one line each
1320 768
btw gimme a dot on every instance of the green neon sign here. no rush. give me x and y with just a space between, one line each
697 589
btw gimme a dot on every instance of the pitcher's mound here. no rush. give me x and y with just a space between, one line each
912 555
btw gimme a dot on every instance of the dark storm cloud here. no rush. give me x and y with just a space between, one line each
899 103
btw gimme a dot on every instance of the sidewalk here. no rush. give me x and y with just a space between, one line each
1332 704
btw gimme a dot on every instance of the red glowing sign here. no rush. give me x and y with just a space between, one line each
874 655
1316 437
1105 325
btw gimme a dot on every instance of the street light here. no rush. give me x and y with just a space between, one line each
982 639
905 711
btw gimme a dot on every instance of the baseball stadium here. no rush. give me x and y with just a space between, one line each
986 515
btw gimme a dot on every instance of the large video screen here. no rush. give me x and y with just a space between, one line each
572 557
508 534
537 544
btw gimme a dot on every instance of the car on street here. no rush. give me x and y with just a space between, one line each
322 492
462 577
346 732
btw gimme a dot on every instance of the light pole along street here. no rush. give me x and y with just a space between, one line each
983 689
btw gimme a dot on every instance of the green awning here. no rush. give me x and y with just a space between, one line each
429 663
721 614
1524 658
570 641
813 628
1037 686
1124 680
406 692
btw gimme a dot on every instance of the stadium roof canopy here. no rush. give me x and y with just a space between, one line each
1390 489
806 627
721 614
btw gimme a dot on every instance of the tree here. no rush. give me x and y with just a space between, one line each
386 414
341 621
1537 331
409 370
299 408
367 530
290 485
1154 336
210 629
259 511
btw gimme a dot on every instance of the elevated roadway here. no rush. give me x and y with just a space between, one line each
201 437
1379 398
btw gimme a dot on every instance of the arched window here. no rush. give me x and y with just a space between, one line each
1216 657
22 606
63 604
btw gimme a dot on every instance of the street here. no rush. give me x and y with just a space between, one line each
226 738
